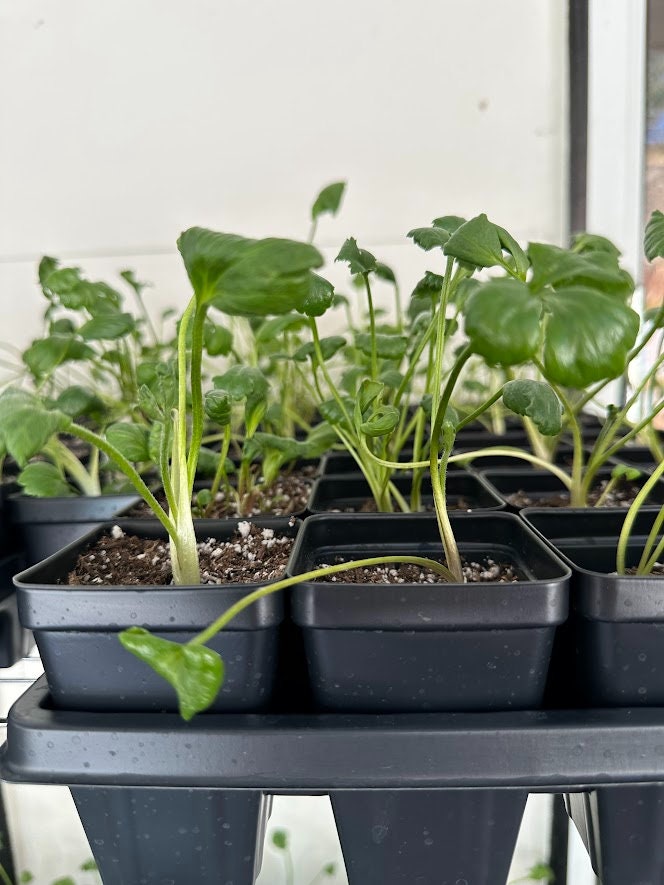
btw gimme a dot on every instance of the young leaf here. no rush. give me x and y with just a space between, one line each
25 877
242 382
508 243
218 406
653 243
359 260
391 378
503 322
63 326
280 839
429 238
368 393
150 405
587 336
383 421
535 400
330 869
328 200
331 411
131 440
623 471
89 866
43 480
130 278
107 327
195 671
319 298
276 326
65 880
217 340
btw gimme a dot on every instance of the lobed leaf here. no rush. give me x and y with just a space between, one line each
359 260
535 400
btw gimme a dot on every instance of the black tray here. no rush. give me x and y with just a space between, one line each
549 751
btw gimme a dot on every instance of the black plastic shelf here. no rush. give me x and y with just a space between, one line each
545 751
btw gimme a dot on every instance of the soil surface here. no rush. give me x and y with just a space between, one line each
369 506
622 495
252 555
288 495
474 572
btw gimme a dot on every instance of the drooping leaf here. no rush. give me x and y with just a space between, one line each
47 266
41 479
381 422
388 347
502 321
329 346
217 340
507 241
653 244
328 200
626 472
129 277
426 292
45 355
150 405
359 260
218 406
429 238
107 327
131 440
587 336
195 671
319 298
535 400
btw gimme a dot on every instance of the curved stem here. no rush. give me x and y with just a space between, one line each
630 518
372 329
234 610
196 385
438 483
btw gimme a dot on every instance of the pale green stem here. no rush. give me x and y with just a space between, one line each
372 329
628 524
63 456
234 610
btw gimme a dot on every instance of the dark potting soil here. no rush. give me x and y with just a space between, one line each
622 495
252 555
474 572
369 506
288 495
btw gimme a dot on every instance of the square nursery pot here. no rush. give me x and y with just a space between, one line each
542 486
351 493
562 458
636 456
443 647
615 658
43 526
76 629
336 463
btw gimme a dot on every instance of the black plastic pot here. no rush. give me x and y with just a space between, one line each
14 640
350 493
481 438
401 648
616 638
76 630
43 526
336 463
541 484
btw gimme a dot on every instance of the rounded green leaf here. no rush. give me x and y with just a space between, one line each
587 336
207 255
388 347
242 382
43 480
195 671
131 440
535 400
560 269
476 242
107 327
329 346
320 297
217 340
449 222
76 400
26 424
502 321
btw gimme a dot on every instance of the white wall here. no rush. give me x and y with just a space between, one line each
123 123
